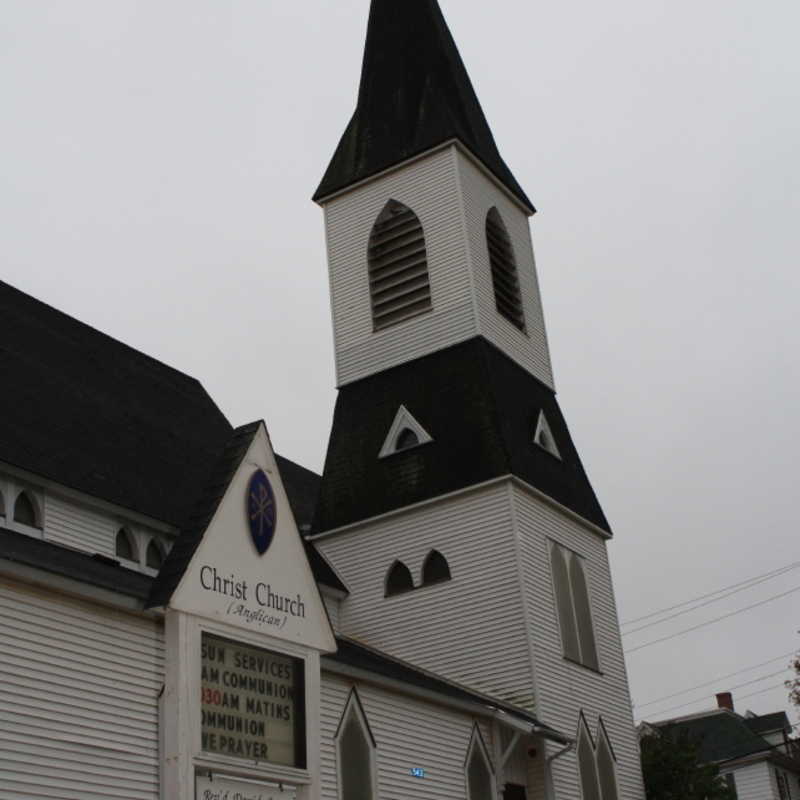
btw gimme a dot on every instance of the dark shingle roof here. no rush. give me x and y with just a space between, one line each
720 735
92 413
768 723
354 654
415 94
481 409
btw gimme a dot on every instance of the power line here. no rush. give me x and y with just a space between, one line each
707 602
732 688
744 584
712 621
713 681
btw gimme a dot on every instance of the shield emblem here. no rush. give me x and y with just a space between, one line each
261 511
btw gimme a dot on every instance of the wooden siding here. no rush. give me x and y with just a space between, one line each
755 782
429 188
332 606
528 348
470 628
408 733
564 689
78 699
79 527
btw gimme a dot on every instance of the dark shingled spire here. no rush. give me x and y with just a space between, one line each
415 94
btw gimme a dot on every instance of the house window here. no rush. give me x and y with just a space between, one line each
356 752
507 295
480 782
25 511
125 546
573 606
398 579
435 569
399 286
154 556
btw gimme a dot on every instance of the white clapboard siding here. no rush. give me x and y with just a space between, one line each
408 733
564 688
471 628
78 526
528 348
429 188
78 699
332 607
755 782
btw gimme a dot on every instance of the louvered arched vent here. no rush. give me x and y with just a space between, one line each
504 270
398 267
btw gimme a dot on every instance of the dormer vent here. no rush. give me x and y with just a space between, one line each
504 270
399 287
405 433
543 436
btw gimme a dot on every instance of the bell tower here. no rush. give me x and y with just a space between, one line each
427 229
453 503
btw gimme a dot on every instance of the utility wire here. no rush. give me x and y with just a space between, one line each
743 584
712 621
732 688
706 603
713 681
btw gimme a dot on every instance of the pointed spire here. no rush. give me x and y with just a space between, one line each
415 94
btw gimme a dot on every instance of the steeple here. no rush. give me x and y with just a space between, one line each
415 94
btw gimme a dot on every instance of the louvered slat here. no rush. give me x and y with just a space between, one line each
398 267
504 270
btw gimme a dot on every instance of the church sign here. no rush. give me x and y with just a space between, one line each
223 788
252 703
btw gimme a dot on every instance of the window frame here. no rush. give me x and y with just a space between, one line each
495 218
567 554
354 706
37 529
133 542
476 742
394 565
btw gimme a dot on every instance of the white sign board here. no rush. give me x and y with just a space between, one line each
222 788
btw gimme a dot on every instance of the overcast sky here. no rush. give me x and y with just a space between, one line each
157 164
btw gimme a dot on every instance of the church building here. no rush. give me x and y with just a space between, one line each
187 615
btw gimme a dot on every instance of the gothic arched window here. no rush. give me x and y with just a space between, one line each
399 287
154 557
25 511
587 768
398 579
505 280
125 546
606 765
478 770
435 569
355 753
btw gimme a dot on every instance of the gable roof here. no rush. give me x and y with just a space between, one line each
88 412
720 735
415 94
481 409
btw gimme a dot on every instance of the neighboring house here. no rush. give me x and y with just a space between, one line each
185 614
754 753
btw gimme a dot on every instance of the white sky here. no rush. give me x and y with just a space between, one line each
157 164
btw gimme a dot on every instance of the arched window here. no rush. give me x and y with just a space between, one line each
478 770
399 286
25 511
398 579
587 768
504 270
606 762
355 753
435 569
565 608
405 439
125 545
583 614
154 556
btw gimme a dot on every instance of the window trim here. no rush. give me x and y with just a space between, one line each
602 736
515 298
476 741
133 543
36 529
354 706
403 419
543 429
567 555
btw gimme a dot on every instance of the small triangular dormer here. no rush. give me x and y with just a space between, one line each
404 434
544 436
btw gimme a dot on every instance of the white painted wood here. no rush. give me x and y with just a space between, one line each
471 628
564 689
755 782
408 733
479 195
428 187
78 699
332 606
